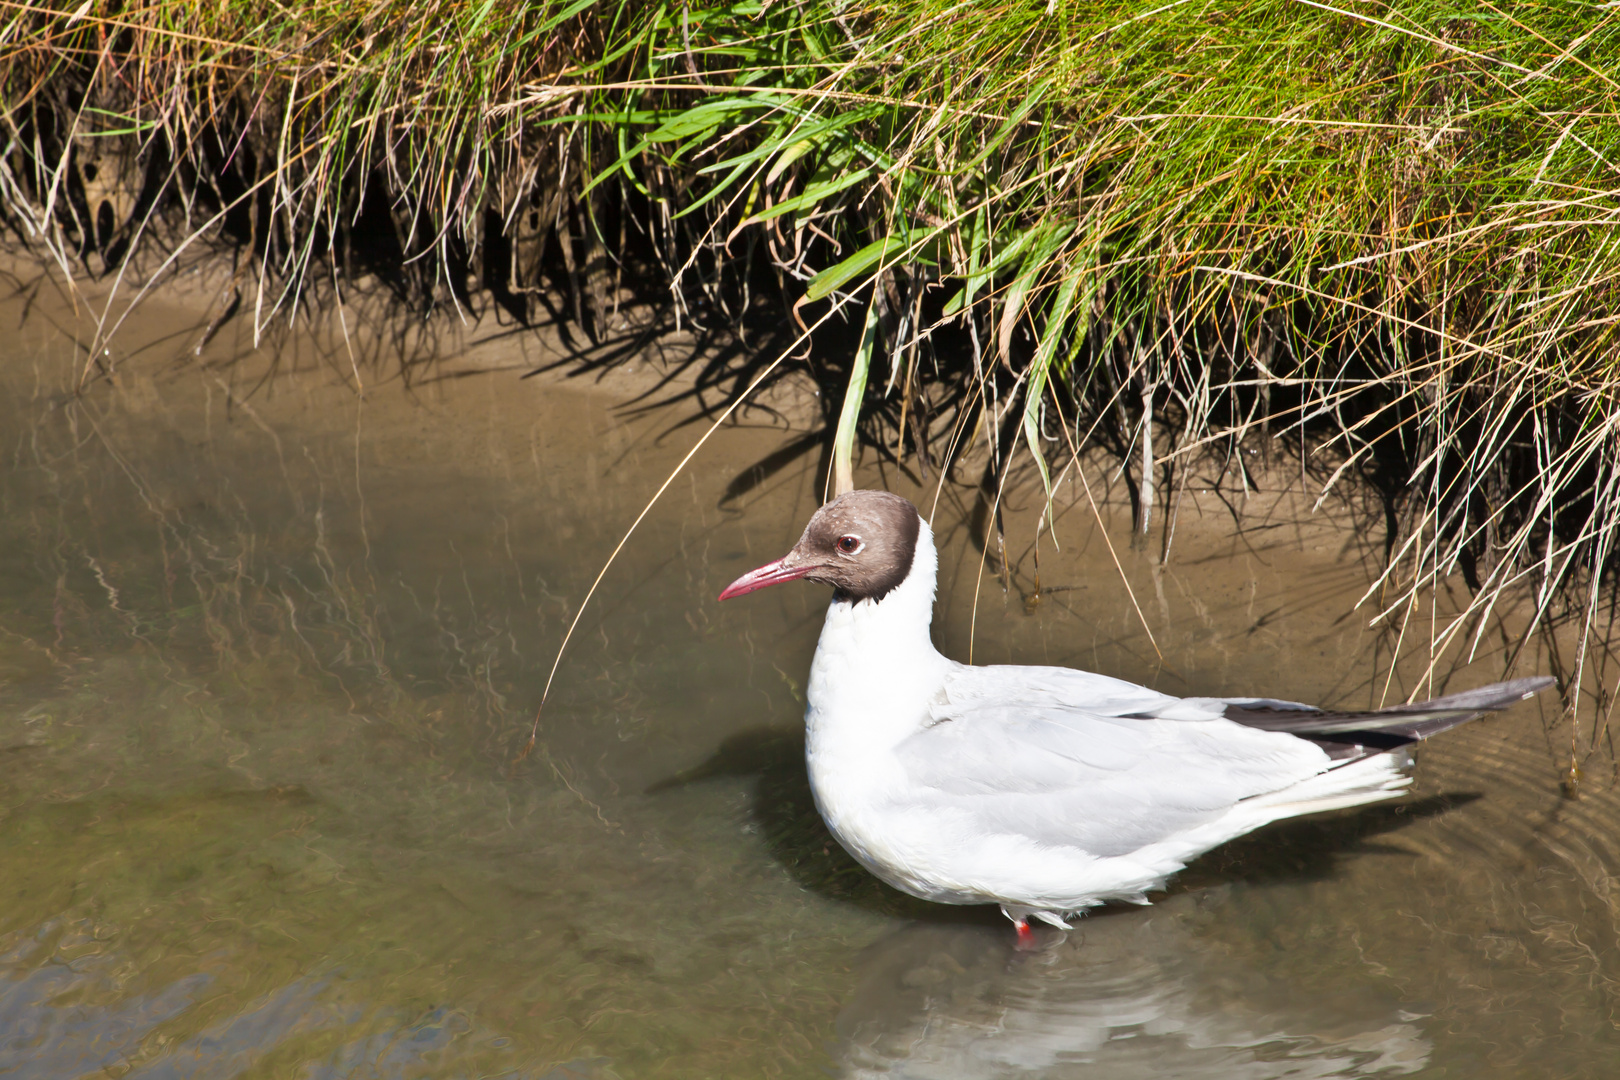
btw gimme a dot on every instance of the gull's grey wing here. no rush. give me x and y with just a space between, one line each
1001 684
1068 758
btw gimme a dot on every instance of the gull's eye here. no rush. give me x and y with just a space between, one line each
849 545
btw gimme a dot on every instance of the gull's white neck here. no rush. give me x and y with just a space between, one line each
876 667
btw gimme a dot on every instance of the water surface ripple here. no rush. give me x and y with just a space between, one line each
268 651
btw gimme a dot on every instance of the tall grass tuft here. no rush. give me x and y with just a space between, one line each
1380 236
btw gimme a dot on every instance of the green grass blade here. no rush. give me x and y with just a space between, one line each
849 415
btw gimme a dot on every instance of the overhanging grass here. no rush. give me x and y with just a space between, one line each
1383 230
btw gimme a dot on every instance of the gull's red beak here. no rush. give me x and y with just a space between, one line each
772 573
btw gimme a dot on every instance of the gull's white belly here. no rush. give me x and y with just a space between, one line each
942 854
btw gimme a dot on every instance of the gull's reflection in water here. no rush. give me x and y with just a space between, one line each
1132 994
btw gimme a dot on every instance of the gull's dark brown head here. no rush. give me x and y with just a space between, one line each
862 544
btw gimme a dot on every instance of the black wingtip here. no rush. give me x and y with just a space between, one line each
1423 719
1535 685
1484 698
1413 722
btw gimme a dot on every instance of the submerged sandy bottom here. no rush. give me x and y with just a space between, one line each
269 650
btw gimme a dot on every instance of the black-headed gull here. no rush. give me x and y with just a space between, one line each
1046 790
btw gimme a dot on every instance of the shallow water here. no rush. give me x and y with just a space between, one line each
269 651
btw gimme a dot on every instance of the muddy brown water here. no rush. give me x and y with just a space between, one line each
269 649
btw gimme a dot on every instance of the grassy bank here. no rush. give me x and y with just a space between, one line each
1375 236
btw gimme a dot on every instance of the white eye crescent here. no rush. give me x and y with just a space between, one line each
850 545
